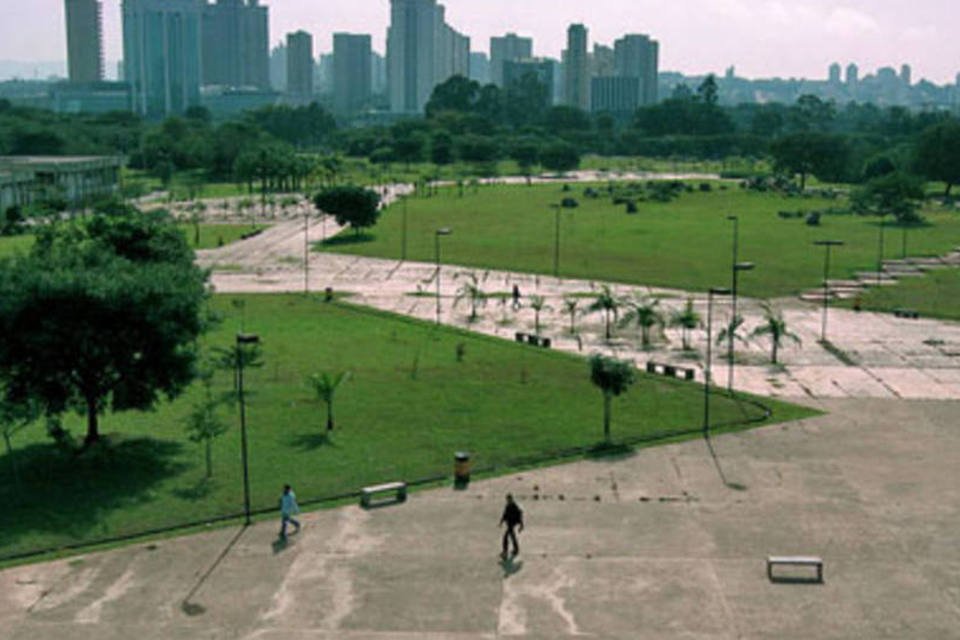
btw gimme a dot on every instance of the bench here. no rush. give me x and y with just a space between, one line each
532 340
670 370
906 313
795 561
399 490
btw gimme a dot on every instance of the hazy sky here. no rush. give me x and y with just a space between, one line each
761 38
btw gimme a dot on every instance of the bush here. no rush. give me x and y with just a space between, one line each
631 206
813 219
569 203
706 187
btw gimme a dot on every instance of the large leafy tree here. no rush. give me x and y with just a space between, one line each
938 153
819 154
102 314
897 193
613 377
356 206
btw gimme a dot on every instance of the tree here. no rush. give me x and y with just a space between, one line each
455 94
526 153
13 419
471 291
356 206
708 92
570 305
560 157
896 194
822 155
731 332
609 305
613 377
938 154
776 327
645 313
538 303
687 319
203 424
326 387
103 313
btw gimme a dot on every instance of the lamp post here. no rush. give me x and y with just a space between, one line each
556 240
244 339
737 268
443 231
714 291
403 248
828 245
880 251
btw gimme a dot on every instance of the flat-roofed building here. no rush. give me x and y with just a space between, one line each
75 179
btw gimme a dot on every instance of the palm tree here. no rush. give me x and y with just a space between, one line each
687 319
613 377
731 332
609 304
538 304
776 327
570 305
326 386
471 291
644 312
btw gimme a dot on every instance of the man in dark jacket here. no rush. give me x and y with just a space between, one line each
512 517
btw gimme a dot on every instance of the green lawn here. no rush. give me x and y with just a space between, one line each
685 244
408 407
934 295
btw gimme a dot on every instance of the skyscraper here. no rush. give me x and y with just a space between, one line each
161 54
351 72
480 67
508 48
602 61
300 64
236 44
84 41
577 76
638 56
278 68
906 75
835 73
853 75
422 51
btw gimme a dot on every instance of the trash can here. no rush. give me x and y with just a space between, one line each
461 467
328 294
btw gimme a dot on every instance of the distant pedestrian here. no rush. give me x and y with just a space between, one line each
516 297
288 509
513 518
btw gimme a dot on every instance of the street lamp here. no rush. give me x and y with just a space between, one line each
880 251
403 248
556 240
828 244
443 231
244 339
714 291
737 268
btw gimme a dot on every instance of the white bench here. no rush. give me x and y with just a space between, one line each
399 490
796 561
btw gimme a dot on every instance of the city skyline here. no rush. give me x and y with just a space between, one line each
761 38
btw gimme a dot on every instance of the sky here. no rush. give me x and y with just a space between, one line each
760 38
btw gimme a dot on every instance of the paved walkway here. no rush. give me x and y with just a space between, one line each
654 545
883 356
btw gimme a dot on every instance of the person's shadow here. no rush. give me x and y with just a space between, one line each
510 566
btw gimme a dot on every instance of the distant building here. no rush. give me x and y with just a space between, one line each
236 44
224 102
638 56
378 73
84 41
422 52
602 61
351 72
853 75
480 68
323 74
278 68
508 48
834 75
91 97
26 179
300 64
162 54
906 75
615 95
544 70
576 69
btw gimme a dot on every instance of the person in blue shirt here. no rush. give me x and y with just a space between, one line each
288 509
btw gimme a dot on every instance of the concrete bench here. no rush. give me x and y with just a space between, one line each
906 313
670 370
795 561
399 489
533 340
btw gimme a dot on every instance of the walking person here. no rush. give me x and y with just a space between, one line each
513 518
288 509
516 297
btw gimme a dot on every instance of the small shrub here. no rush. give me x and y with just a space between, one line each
813 219
569 203
631 206
706 187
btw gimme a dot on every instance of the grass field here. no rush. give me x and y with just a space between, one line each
936 295
685 244
407 408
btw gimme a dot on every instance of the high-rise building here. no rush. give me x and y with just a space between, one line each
638 56
323 74
84 41
300 64
540 68
614 94
906 75
278 68
161 54
351 72
577 72
378 73
236 46
835 73
853 75
601 61
480 68
422 52
510 47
